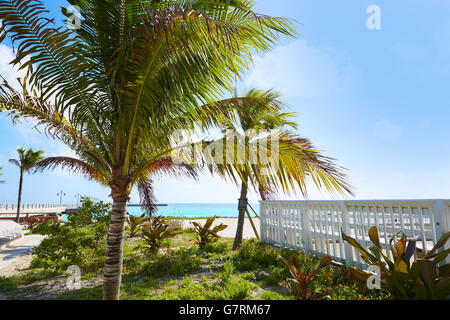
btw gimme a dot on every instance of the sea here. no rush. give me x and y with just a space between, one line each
196 210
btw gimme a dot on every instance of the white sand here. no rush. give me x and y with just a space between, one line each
17 256
229 232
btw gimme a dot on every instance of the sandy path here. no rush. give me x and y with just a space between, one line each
229 232
17 256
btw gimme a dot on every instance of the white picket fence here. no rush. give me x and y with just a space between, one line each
315 226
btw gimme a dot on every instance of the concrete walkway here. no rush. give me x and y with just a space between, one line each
17 249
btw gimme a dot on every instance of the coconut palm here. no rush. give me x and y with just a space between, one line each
297 159
27 160
117 89
1 173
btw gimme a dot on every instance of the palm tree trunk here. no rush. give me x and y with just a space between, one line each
114 245
19 200
243 200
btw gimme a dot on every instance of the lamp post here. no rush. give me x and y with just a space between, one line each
60 194
78 196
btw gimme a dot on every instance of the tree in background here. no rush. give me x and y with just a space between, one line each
116 89
27 160
1 173
297 160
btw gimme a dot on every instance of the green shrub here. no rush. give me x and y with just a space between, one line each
81 241
254 255
8 284
173 263
217 247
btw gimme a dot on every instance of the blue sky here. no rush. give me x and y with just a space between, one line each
376 100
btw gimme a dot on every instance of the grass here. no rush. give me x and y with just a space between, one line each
218 273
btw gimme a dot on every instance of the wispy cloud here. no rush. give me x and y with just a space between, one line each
8 71
302 71
386 130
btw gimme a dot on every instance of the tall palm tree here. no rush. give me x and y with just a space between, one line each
252 125
1 173
117 89
27 160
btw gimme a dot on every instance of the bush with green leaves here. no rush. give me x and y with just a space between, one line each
255 255
174 263
81 241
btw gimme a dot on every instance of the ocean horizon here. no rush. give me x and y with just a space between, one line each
196 210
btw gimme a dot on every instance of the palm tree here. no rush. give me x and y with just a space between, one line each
117 89
253 122
27 160
1 173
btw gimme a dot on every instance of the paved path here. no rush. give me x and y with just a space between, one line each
17 249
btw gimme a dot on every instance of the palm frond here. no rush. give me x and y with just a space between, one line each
147 196
73 165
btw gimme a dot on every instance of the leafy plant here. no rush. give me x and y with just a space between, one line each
32 222
155 232
206 234
304 281
402 278
175 262
254 255
135 223
81 241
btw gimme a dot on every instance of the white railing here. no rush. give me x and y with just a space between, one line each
13 206
315 226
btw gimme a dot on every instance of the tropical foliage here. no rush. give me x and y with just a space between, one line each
118 88
206 234
135 224
81 241
411 274
154 233
304 282
1 173
27 160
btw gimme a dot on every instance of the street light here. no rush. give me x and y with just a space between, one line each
78 196
60 194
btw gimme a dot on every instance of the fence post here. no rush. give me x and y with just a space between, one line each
306 227
442 214
280 227
347 231
262 217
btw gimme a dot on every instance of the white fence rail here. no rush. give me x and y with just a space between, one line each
13 206
315 226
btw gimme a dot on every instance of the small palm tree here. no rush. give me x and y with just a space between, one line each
27 160
1 181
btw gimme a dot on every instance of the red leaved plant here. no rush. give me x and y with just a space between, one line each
304 281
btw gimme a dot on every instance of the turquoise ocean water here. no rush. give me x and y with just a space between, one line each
196 210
